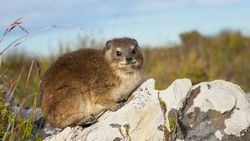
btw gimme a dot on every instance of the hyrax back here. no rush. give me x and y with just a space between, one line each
82 84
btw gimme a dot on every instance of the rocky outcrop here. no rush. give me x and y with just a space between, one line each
216 110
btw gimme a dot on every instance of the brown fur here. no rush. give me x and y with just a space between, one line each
82 84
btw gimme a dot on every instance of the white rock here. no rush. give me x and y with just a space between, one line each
218 134
223 96
142 113
175 95
240 118
212 96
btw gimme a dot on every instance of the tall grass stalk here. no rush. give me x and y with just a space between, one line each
19 128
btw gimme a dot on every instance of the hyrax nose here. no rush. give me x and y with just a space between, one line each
128 59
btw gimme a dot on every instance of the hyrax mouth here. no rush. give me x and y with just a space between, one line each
128 63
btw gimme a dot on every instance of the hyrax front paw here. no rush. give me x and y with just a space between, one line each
116 106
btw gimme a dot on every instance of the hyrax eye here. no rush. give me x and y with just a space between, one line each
118 53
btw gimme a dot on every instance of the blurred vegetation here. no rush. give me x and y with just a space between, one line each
14 91
198 57
14 127
202 58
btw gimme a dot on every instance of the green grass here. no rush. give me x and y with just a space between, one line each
12 125
13 89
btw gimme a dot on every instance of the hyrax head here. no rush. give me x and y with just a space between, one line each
124 54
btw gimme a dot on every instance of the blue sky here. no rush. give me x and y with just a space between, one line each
151 22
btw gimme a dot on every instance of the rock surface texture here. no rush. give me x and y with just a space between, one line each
216 110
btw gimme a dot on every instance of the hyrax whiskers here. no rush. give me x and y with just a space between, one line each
82 84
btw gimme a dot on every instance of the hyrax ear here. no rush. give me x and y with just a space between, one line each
135 43
108 44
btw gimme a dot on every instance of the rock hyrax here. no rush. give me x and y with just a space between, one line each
82 84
